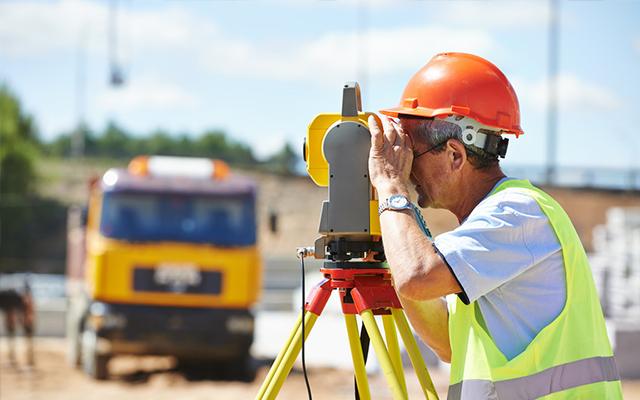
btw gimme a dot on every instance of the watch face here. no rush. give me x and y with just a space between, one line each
398 201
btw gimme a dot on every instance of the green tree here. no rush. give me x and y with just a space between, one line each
26 221
215 144
284 161
18 148
114 142
61 146
160 142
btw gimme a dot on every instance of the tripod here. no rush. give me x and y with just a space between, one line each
364 288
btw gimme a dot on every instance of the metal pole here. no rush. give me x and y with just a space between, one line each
116 75
362 28
77 142
552 103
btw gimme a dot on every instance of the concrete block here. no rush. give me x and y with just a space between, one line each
626 341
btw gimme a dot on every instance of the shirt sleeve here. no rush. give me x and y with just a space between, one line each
505 235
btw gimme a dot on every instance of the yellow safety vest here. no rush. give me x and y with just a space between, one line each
570 358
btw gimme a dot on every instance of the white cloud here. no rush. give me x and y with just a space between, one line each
636 44
28 28
345 3
331 57
574 94
147 95
32 29
497 14
269 144
336 55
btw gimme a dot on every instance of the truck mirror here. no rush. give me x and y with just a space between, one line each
84 215
273 221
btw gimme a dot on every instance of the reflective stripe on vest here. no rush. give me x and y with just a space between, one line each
555 379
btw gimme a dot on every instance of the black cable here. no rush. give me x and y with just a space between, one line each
364 344
304 364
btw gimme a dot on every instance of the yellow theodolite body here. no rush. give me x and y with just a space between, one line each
317 165
316 160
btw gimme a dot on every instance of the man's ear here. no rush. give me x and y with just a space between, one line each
457 154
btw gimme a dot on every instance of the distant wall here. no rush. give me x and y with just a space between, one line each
587 207
298 201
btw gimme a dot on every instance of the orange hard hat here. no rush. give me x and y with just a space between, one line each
461 84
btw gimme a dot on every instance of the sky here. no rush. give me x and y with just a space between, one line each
261 70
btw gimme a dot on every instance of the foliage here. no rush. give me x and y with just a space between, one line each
29 225
115 142
33 235
18 147
283 162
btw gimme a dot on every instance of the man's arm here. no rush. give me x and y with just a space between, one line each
421 278
430 319
420 275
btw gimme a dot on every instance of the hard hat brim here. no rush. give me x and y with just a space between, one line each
430 113
418 112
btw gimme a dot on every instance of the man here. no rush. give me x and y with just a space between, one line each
18 307
523 319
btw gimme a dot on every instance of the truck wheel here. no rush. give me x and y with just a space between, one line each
95 365
73 333
74 350
243 369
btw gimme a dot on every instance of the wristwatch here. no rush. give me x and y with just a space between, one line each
399 202
396 202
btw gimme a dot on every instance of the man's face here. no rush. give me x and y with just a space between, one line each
429 172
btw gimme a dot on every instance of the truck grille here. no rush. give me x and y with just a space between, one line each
148 279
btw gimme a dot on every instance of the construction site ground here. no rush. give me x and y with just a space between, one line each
157 378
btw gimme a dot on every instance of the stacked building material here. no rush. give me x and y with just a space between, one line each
616 264
616 270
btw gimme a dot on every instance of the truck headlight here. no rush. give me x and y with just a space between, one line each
240 324
100 316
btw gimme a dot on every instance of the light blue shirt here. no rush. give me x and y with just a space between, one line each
506 257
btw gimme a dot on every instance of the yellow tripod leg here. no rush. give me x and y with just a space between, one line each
383 355
357 357
394 349
414 354
278 360
289 357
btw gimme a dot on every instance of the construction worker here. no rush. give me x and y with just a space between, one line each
521 319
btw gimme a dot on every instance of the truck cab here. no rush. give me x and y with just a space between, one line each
166 264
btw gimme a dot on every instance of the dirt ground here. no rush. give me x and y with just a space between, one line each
156 378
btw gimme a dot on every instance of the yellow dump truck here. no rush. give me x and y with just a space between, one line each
164 261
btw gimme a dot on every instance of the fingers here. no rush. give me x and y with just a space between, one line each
377 139
391 135
389 131
403 139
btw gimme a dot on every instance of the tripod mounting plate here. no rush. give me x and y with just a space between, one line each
359 289
359 265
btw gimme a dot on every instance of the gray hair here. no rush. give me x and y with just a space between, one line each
437 132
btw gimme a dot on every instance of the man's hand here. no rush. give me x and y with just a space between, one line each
390 158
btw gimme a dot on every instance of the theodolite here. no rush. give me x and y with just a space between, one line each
336 152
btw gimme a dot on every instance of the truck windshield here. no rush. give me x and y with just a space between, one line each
225 221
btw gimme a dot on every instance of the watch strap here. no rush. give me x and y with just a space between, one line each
410 206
